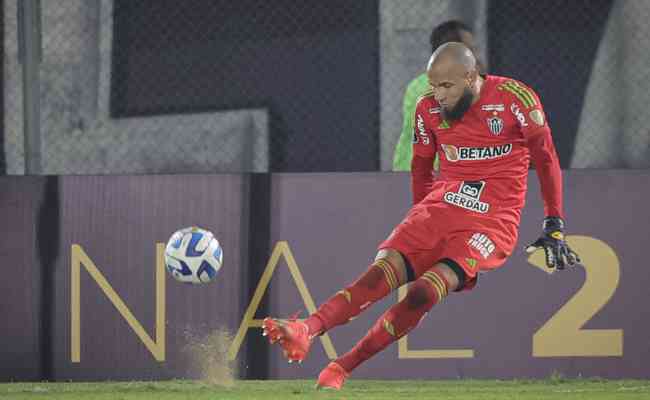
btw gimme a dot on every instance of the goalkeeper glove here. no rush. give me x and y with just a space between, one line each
557 251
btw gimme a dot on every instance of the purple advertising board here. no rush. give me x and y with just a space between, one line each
118 226
20 203
116 314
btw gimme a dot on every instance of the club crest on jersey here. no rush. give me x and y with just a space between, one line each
468 197
453 153
492 107
434 110
495 124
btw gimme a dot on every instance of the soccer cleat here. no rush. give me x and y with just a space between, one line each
291 334
332 377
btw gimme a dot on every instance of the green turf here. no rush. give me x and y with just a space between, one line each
356 389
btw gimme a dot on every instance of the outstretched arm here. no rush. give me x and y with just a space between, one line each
535 129
545 161
544 158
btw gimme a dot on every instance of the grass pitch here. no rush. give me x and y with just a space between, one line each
355 389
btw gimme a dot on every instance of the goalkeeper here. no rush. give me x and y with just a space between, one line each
485 129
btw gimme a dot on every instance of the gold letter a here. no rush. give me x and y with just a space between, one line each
249 321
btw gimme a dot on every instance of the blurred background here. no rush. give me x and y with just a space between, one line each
162 86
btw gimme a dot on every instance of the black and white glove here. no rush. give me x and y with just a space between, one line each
557 251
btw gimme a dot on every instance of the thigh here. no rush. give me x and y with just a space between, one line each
419 237
434 233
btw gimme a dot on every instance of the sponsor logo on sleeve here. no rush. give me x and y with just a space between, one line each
519 115
421 131
420 124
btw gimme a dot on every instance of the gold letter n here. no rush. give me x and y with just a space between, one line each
79 258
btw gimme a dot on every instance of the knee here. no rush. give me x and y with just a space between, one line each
397 263
419 295
451 278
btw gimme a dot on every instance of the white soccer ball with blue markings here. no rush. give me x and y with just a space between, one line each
193 255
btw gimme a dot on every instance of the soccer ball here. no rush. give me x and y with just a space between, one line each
193 255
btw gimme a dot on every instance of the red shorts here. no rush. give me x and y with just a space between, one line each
435 231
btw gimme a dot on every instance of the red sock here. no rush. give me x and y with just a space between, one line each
379 280
398 320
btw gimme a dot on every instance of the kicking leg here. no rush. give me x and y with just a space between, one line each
385 274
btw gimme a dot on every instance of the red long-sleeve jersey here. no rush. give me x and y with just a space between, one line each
490 149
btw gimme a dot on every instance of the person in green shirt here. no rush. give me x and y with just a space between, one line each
449 31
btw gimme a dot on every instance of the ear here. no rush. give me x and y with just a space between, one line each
471 78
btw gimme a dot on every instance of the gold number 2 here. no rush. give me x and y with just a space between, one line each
562 335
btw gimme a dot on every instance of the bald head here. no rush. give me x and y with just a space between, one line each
455 55
454 79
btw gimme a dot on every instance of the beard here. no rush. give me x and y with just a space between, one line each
463 104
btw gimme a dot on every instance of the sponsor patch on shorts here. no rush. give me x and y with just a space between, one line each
482 243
